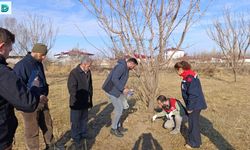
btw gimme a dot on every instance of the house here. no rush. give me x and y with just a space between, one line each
71 55
174 53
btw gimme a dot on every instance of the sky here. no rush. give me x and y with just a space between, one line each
67 14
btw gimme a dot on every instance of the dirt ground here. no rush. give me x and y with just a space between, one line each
224 125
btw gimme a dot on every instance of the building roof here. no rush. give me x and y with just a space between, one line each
74 52
173 49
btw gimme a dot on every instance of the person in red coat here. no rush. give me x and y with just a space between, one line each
194 99
173 110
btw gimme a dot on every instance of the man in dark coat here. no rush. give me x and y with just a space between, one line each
30 68
114 86
81 92
13 93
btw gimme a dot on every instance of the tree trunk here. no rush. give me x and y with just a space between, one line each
235 74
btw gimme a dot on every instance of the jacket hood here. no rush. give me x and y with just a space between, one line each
28 57
122 62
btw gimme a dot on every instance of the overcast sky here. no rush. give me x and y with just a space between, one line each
68 13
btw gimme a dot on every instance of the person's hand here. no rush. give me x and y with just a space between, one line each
44 99
189 111
154 117
168 117
36 82
170 114
125 91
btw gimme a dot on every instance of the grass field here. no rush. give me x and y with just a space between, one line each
224 125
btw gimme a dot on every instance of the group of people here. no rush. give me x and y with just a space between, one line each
25 88
176 113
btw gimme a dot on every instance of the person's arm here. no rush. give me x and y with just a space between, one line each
117 73
160 114
184 91
72 86
21 72
91 90
14 90
192 92
45 88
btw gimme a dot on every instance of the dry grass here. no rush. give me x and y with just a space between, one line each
224 124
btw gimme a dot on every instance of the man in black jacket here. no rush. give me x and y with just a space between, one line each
30 68
13 93
81 92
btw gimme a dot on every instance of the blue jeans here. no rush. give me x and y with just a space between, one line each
79 124
118 109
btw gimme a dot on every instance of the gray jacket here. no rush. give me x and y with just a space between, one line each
117 79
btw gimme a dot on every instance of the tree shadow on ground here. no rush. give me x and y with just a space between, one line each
96 122
147 142
103 119
63 140
209 131
67 136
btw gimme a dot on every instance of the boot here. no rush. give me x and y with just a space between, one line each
122 130
116 132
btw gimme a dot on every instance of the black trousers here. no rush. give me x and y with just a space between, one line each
194 135
79 124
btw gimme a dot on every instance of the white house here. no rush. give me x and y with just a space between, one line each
72 55
174 53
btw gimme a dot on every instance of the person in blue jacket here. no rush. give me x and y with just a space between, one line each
13 93
194 99
115 88
30 68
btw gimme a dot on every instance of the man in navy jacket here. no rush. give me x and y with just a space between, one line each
194 99
13 93
114 86
30 68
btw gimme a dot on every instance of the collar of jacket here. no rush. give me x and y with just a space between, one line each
3 60
187 73
80 70
31 58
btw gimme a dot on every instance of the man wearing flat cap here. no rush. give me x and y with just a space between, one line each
30 69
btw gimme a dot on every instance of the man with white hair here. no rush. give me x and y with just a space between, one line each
81 91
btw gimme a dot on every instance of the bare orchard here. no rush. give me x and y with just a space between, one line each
224 125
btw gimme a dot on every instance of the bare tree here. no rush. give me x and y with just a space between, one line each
146 28
32 29
232 35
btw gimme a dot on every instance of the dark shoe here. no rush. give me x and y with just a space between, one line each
122 130
116 132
